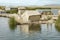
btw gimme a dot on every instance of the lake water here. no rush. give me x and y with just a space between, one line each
28 32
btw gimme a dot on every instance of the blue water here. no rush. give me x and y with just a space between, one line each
22 32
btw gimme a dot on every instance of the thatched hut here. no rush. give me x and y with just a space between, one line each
33 18
46 13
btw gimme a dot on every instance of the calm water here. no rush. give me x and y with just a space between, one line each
28 32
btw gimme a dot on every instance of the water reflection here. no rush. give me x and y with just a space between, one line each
30 28
57 24
49 26
34 27
57 28
24 28
12 23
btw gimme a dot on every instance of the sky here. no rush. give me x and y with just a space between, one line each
28 2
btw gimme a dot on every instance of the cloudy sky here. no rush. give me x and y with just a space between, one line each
28 2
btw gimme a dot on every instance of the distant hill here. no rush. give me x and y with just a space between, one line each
52 5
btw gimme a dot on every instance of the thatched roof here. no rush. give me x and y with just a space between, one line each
46 13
